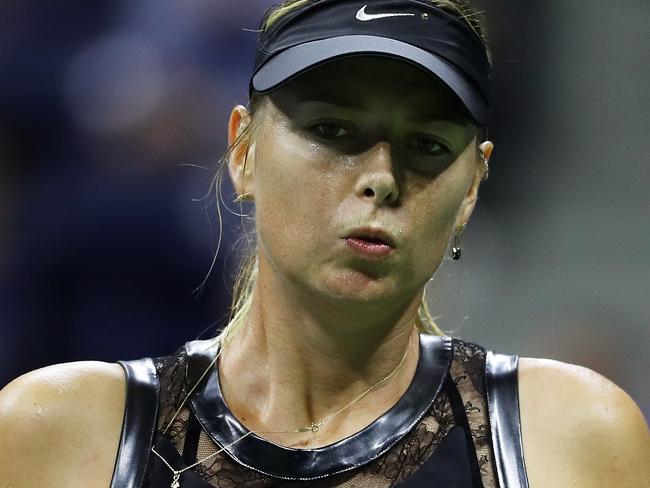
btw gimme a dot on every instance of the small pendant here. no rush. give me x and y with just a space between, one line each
175 482
312 428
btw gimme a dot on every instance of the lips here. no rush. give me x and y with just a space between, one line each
372 235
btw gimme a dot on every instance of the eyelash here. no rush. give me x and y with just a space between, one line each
325 124
314 129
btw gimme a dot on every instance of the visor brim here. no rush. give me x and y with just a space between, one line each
297 59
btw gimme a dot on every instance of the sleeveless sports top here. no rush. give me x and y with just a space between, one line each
457 426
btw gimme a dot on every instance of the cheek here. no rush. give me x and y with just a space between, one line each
434 213
291 203
434 222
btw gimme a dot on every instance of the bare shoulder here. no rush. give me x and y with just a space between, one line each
579 428
61 424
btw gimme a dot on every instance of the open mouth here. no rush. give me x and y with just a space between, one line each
373 240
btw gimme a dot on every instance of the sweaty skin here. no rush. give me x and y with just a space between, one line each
364 142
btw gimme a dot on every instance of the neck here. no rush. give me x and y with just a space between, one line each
300 358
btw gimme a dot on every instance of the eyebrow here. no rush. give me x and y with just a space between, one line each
351 104
332 99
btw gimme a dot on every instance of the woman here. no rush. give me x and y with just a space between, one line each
362 148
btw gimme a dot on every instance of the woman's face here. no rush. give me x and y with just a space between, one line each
359 142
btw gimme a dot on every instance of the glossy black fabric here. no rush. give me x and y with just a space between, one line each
503 401
139 423
453 463
371 442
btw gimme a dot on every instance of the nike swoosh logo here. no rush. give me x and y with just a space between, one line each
364 17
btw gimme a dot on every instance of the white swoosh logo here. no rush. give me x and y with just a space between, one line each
364 17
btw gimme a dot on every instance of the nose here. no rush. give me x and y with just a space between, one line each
377 176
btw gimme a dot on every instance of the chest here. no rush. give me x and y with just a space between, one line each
463 405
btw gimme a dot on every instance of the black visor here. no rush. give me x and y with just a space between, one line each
411 30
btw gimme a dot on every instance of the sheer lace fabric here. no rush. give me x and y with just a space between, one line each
467 371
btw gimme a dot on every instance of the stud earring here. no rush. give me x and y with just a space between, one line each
456 251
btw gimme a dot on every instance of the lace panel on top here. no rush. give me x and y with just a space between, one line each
389 470
468 371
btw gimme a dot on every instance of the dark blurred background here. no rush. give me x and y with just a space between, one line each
113 116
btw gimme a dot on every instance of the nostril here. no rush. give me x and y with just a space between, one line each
369 192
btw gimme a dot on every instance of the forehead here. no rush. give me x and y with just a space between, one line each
367 81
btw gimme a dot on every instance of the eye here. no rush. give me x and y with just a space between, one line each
329 130
431 147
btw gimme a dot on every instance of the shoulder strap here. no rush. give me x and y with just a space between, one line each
200 353
140 413
503 404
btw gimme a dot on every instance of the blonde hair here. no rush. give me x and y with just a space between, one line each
246 277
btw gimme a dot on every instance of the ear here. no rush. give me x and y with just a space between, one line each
471 197
241 163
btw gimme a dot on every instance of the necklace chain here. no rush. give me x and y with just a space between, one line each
314 427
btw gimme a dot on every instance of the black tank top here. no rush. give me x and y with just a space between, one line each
457 426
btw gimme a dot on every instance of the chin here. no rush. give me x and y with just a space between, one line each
357 287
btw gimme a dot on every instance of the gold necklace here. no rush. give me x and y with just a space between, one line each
314 427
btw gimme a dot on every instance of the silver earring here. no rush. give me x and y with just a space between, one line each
456 251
